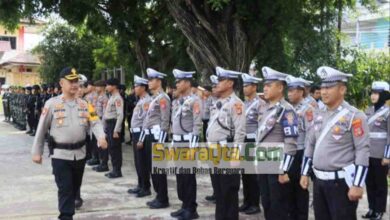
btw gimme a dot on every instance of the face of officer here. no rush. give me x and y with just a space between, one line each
69 87
374 97
139 90
182 86
110 88
273 90
90 88
154 84
295 95
223 86
249 90
317 94
332 95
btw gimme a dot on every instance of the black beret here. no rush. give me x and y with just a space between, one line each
28 88
100 83
208 88
113 82
36 87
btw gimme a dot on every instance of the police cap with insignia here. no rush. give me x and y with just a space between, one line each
250 80
214 80
69 73
331 77
154 74
296 82
139 81
271 75
226 74
380 86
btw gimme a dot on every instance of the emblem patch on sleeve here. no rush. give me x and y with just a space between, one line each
238 108
357 127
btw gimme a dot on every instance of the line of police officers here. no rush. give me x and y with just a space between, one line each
334 146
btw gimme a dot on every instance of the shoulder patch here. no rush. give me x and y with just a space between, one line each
118 103
357 127
146 106
44 111
309 115
196 107
238 108
163 103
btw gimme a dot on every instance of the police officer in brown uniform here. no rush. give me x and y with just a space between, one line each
155 130
379 124
137 120
186 126
69 118
337 149
278 123
252 105
101 104
113 117
227 125
299 197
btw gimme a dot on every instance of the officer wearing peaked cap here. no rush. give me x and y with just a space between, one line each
137 119
337 150
227 124
278 123
379 124
155 129
186 126
69 119
214 98
252 105
299 197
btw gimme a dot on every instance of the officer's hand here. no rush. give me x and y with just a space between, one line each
385 162
304 182
115 135
37 159
102 143
283 178
355 193
140 145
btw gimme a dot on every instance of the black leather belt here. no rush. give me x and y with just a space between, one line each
74 146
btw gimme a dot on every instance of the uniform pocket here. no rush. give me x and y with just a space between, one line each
60 119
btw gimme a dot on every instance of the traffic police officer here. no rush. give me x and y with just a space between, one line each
227 125
278 124
137 120
186 126
113 117
252 105
299 197
155 129
379 125
69 119
214 97
337 148
101 105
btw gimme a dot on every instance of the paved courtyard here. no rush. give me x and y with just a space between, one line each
28 191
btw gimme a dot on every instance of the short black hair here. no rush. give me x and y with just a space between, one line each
314 88
193 83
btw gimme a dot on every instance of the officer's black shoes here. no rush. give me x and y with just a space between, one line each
377 216
369 214
158 205
186 215
113 175
32 134
93 162
243 207
177 213
150 202
252 210
101 168
29 132
143 193
134 190
78 203
210 198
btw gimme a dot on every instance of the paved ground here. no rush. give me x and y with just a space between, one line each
27 191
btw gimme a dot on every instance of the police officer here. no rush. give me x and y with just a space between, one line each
37 107
337 148
379 125
113 117
30 107
91 98
299 197
213 100
69 119
278 124
139 114
101 105
252 105
6 104
155 129
206 104
227 125
186 126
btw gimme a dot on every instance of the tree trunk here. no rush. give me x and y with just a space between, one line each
339 22
213 40
142 56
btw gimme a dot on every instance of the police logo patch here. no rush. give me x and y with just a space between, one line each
44 111
309 115
118 103
146 106
163 103
357 127
196 108
238 108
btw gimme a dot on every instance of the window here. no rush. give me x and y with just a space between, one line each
29 70
12 40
